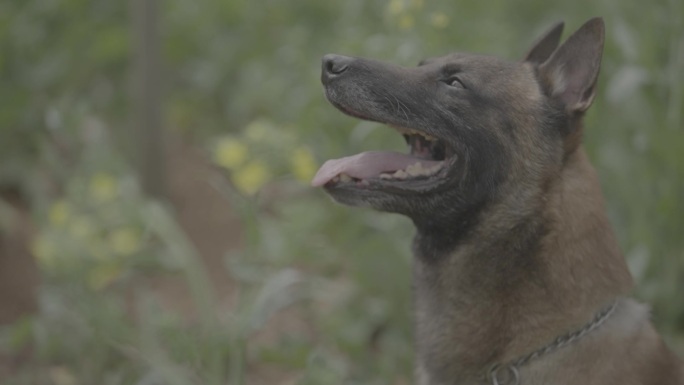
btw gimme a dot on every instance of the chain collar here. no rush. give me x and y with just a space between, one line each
513 367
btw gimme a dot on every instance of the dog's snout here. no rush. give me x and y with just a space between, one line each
334 65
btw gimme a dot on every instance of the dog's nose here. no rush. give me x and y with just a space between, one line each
334 65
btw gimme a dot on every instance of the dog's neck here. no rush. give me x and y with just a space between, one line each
528 277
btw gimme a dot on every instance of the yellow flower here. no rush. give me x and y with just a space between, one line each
258 130
395 7
101 276
44 251
406 21
124 241
103 187
230 153
302 164
59 213
61 375
439 20
81 227
250 178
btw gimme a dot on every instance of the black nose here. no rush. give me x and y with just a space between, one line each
334 65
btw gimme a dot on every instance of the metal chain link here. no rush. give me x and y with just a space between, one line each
561 341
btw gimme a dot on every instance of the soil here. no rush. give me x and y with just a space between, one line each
19 277
206 216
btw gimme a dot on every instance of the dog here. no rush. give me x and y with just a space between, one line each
518 277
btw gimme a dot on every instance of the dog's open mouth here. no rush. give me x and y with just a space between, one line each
427 157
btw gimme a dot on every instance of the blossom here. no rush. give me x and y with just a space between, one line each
230 153
258 130
439 20
44 251
59 213
302 164
61 375
102 275
250 178
406 21
81 227
124 241
103 187
395 7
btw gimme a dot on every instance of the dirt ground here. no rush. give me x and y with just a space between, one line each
211 224
19 277
205 215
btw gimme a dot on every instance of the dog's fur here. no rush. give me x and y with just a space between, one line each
513 247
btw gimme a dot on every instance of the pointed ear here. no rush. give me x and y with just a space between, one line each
572 70
545 45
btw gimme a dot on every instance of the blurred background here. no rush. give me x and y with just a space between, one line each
156 224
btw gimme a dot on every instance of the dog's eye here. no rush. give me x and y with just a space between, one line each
455 82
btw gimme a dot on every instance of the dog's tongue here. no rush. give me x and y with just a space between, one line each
366 165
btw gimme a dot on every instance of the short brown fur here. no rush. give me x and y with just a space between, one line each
517 249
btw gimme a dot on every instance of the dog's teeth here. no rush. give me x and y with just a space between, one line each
410 131
434 168
424 135
404 130
345 178
415 169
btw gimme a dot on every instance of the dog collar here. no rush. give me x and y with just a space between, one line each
512 368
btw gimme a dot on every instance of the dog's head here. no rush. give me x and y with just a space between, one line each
472 123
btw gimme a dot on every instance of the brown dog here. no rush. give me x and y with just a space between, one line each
518 276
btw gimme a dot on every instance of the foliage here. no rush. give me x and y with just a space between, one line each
262 146
242 78
63 62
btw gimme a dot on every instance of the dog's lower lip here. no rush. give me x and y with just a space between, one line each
399 179
427 157
371 164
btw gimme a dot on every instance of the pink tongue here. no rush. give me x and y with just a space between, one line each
366 165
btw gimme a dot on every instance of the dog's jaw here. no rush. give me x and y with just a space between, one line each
456 158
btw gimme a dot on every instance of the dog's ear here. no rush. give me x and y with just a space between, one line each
572 70
545 45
